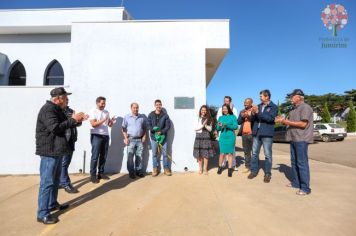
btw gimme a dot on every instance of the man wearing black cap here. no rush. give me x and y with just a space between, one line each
51 146
300 134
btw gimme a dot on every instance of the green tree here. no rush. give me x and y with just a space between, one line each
351 118
337 103
325 115
351 95
279 109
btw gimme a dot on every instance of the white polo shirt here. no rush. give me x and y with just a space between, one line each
96 114
234 111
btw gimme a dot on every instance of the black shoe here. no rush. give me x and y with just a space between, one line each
47 220
70 189
94 180
229 172
220 169
141 175
102 176
132 175
59 207
251 175
267 178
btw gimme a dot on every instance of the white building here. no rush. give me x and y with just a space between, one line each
103 52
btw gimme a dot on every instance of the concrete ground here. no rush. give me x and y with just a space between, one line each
191 204
338 152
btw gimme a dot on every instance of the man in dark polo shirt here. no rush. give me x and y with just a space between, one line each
300 134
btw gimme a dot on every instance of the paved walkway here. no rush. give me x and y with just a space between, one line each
191 204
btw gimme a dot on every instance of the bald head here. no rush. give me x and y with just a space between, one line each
248 102
134 108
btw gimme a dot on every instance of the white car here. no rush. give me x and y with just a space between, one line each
330 131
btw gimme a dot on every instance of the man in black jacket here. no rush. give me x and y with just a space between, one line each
158 123
51 146
72 136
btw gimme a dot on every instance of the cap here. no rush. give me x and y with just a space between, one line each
59 92
296 92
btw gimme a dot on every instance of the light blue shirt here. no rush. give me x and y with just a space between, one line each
135 125
263 108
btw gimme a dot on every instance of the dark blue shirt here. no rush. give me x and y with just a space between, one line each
264 120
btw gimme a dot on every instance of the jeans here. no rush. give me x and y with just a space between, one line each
267 142
247 141
300 165
156 156
64 179
135 148
99 152
50 170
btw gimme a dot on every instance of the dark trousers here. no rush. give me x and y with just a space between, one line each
50 170
247 140
300 165
65 180
99 152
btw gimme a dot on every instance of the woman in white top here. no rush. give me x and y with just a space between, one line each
202 144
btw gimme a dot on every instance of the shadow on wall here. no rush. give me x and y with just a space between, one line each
117 156
146 153
116 149
170 140
4 67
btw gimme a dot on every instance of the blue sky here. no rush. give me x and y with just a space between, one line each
274 44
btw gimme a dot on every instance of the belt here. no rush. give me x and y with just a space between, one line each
101 135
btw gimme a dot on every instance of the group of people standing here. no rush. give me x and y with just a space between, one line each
56 134
256 127
134 128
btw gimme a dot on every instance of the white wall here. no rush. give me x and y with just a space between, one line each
58 16
139 62
35 52
125 62
18 117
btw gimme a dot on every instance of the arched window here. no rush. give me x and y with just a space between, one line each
54 74
17 75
